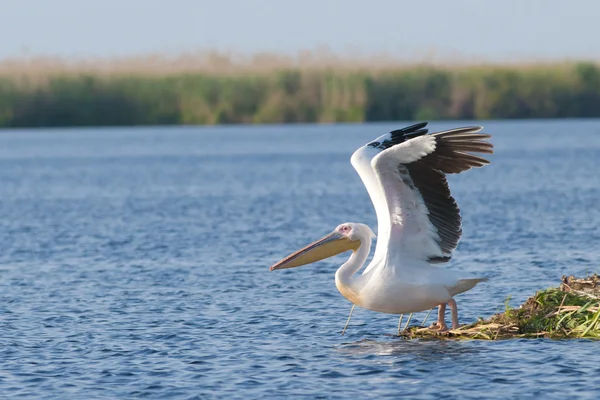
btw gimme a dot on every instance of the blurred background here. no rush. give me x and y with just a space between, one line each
151 62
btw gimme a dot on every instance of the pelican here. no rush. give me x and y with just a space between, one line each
419 223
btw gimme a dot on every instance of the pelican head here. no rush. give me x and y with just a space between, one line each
347 236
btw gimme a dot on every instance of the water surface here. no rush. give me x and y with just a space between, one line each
134 263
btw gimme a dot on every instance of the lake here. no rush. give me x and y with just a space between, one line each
134 263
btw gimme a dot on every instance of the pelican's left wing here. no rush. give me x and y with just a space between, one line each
361 161
424 219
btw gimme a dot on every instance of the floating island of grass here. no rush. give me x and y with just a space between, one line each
570 311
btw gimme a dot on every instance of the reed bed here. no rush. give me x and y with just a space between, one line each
569 311
216 88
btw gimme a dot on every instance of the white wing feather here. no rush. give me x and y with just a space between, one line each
404 172
361 161
411 232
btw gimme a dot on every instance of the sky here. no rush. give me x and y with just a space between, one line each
484 29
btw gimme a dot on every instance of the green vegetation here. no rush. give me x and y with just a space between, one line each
569 311
287 94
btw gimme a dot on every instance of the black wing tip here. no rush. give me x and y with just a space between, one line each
410 129
409 132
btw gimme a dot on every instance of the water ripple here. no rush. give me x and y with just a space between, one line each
134 263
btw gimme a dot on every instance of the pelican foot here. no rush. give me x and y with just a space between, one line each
442 328
438 327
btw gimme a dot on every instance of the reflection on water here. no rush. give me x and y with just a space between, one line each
427 350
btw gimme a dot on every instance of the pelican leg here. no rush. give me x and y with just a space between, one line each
426 317
348 321
454 310
407 322
400 323
440 323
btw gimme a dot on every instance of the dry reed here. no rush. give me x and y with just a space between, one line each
570 311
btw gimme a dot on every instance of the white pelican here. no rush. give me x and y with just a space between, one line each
418 220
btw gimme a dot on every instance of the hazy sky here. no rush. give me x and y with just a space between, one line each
492 29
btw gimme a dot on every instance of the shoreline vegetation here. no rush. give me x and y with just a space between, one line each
570 311
219 89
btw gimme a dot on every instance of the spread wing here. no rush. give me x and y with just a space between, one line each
361 161
419 216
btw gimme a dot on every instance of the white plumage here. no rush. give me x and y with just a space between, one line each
419 223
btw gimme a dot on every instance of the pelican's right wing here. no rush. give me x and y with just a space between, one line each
424 219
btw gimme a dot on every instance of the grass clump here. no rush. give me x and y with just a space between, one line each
570 311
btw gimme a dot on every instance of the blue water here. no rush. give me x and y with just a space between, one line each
135 263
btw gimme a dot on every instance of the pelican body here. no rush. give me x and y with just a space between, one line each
418 220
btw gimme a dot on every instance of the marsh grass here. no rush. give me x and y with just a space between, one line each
570 311
219 88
